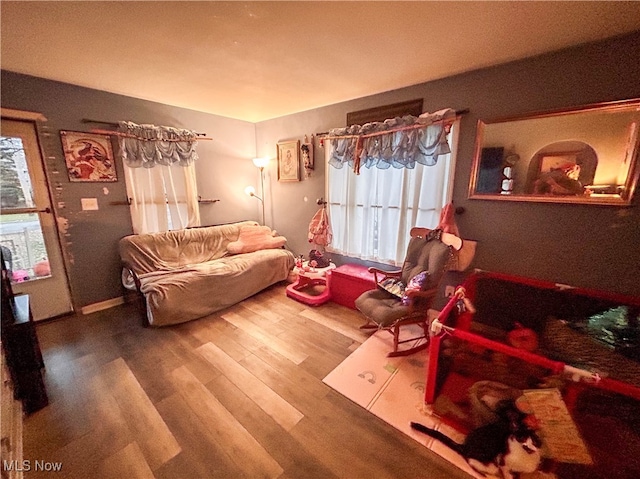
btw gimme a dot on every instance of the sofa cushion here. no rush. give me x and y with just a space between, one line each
254 238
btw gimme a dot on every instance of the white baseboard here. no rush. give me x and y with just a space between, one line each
95 307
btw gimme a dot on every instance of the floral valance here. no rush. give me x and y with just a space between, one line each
150 145
399 142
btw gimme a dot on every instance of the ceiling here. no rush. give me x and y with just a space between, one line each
260 60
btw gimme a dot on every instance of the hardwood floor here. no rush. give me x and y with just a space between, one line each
236 394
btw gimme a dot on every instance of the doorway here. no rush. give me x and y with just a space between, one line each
28 233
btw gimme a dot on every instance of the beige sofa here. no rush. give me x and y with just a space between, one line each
187 274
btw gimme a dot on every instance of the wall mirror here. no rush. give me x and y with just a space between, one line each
585 155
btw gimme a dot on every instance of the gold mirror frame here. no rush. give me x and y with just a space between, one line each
584 155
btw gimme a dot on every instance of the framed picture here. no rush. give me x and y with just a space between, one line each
289 160
88 156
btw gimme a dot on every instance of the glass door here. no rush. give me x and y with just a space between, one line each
28 234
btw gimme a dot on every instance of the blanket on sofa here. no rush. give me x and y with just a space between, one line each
188 274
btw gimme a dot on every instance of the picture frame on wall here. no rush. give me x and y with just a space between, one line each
88 157
289 160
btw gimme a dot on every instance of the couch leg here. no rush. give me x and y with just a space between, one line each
142 307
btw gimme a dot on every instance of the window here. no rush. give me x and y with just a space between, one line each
371 214
160 176
162 198
21 233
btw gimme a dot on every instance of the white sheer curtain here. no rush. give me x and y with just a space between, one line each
162 198
160 176
372 213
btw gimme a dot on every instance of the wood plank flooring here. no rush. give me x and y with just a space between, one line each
237 394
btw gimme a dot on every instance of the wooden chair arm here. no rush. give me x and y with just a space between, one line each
385 274
421 299
426 294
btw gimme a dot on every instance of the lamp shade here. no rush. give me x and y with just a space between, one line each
250 191
261 162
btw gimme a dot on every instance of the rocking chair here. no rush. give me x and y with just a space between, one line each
403 296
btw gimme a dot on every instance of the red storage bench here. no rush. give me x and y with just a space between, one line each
349 281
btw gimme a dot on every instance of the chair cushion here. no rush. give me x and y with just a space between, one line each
381 308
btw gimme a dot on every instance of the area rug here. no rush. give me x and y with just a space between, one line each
393 389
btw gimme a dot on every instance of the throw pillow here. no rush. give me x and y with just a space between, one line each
393 286
254 238
416 283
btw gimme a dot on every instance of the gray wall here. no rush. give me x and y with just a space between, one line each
90 240
586 246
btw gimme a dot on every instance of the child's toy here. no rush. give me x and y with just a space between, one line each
311 285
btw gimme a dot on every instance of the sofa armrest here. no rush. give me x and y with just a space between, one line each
129 276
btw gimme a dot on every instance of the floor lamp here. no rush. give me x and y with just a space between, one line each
250 190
